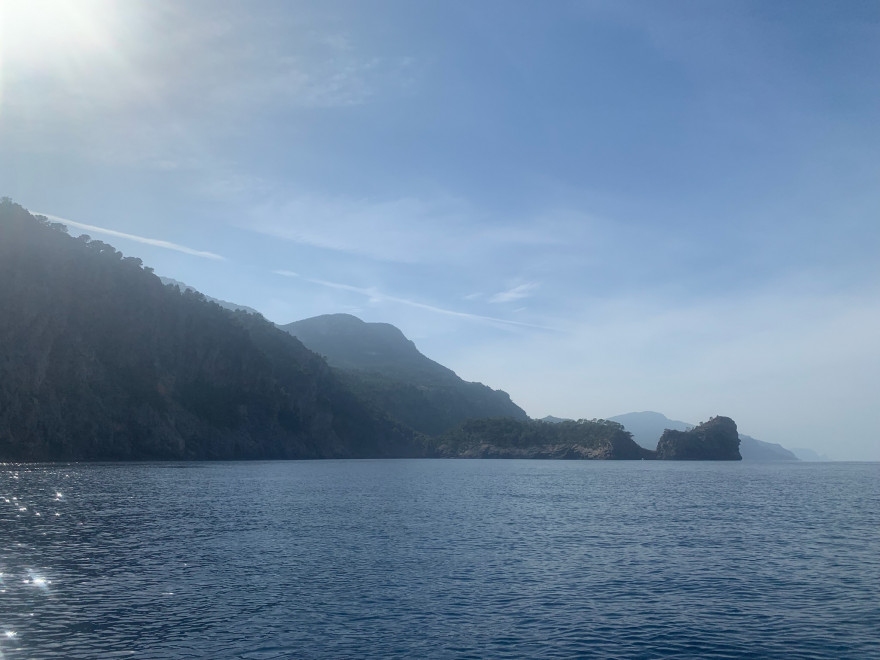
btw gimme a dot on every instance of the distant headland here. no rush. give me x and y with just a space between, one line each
715 440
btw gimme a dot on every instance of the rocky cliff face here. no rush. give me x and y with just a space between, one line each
100 361
647 427
715 440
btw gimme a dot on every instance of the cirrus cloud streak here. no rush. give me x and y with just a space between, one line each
156 242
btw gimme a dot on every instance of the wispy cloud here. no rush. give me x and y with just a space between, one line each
156 242
402 230
375 295
516 293
408 229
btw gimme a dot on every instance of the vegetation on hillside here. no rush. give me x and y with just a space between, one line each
510 438
100 360
385 368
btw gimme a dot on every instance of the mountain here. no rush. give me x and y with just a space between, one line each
809 455
385 368
101 361
757 450
647 427
223 303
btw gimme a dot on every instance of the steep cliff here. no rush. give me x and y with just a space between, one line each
100 360
647 427
715 440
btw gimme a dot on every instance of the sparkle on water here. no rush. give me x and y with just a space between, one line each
494 559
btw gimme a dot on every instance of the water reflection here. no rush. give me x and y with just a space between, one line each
36 580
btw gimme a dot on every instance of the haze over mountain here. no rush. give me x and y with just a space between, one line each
225 304
384 367
647 428
809 455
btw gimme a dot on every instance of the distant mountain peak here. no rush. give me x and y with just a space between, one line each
351 343
385 367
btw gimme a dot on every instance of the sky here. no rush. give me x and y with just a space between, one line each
598 207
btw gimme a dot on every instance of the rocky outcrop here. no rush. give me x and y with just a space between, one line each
647 427
509 438
715 440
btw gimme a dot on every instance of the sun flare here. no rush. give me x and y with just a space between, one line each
34 33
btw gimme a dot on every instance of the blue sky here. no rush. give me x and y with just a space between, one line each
600 207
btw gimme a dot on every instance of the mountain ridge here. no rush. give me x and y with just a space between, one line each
231 306
102 361
386 368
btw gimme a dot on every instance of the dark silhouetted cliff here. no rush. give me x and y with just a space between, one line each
100 360
715 440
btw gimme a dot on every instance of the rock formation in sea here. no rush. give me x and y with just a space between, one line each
715 440
647 427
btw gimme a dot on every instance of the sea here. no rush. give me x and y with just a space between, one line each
440 559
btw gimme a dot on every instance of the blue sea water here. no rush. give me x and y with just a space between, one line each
440 559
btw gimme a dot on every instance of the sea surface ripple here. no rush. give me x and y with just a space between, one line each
439 559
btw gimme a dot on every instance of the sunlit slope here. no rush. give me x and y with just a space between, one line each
100 360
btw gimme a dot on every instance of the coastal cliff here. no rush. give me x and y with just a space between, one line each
597 439
101 361
715 440
511 438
